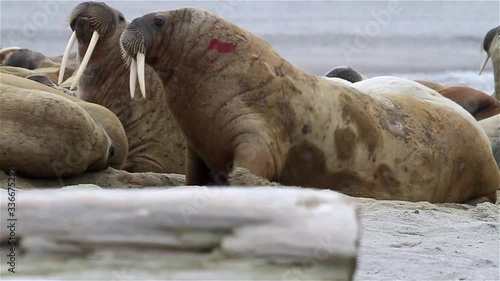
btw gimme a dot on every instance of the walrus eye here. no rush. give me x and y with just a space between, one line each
121 18
159 21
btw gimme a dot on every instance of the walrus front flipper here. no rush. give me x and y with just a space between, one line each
243 177
490 198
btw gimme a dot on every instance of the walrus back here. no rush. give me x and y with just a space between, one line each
55 136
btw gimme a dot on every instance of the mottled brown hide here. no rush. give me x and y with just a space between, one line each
238 102
156 144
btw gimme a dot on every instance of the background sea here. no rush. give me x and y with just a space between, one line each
435 40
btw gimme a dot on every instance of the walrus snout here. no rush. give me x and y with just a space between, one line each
82 26
89 21
134 42
98 14
133 39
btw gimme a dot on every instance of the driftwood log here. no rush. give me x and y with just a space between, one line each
109 178
182 233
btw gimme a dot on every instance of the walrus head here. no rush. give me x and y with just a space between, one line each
346 73
24 58
89 22
490 41
137 39
6 52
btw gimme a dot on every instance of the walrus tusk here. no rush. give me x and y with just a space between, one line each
86 58
140 72
133 78
65 57
484 63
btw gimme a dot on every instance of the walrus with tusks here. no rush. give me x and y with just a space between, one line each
241 105
47 133
155 142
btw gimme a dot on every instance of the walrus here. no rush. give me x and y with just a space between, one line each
6 52
103 118
29 59
241 105
32 62
45 76
346 73
431 84
491 46
155 142
45 135
477 103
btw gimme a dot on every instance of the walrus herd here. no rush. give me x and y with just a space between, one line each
216 100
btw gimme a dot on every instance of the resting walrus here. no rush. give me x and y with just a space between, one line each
478 104
34 62
155 142
240 104
96 123
45 135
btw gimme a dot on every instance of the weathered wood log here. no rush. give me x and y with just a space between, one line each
109 178
183 233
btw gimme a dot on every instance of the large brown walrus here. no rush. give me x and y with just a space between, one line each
155 142
47 133
239 104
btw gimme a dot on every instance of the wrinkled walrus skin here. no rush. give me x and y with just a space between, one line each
491 126
103 118
45 135
239 104
156 144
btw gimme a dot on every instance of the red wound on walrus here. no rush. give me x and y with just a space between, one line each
221 47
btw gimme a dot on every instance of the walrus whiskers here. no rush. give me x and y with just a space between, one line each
65 57
86 58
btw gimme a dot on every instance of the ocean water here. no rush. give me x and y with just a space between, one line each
434 40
